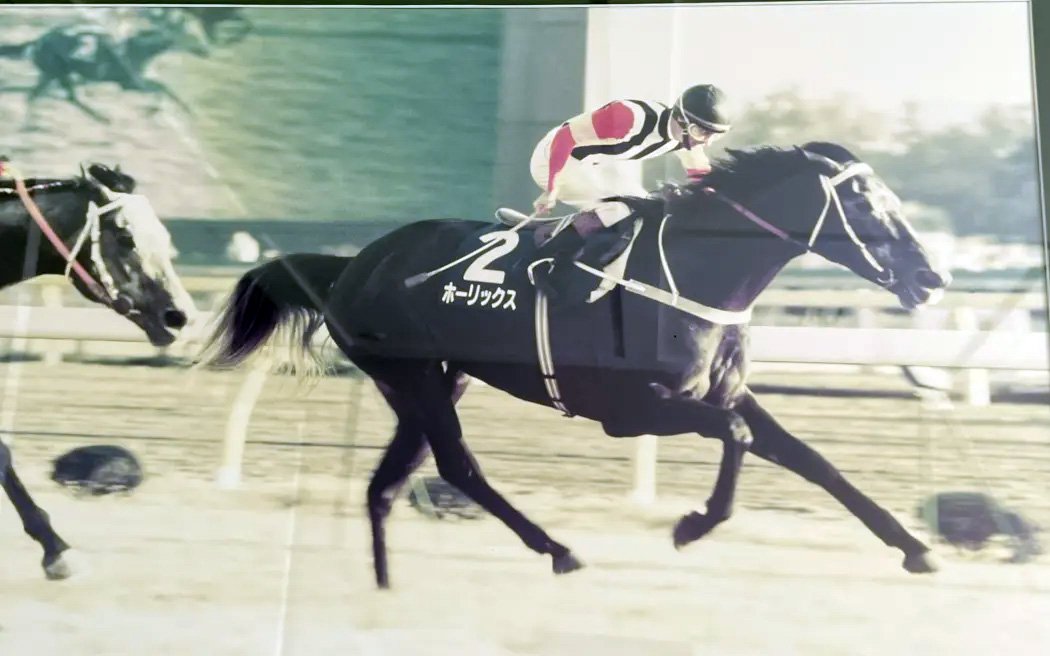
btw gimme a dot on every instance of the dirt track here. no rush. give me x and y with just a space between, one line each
181 568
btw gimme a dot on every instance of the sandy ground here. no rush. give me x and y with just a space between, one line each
281 566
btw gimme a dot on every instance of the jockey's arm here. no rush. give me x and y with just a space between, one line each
608 124
695 161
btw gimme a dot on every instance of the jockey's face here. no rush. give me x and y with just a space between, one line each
690 134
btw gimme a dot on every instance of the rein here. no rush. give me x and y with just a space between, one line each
56 241
831 195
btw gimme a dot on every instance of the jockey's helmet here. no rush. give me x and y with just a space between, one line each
703 107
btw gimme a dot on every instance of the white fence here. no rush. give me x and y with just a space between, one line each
968 349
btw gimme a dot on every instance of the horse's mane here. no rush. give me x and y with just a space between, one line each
113 178
735 174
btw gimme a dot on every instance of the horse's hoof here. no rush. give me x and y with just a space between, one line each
689 528
61 567
566 563
921 563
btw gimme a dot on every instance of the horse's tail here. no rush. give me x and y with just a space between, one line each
14 50
286 293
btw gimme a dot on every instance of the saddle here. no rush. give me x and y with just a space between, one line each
614 259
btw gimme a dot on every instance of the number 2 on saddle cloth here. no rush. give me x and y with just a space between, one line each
486 302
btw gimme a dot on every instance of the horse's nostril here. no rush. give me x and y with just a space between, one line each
174 318
931 279
122 305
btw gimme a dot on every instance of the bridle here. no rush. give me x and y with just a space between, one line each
105 291
831 199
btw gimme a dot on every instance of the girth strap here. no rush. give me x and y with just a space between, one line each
546 358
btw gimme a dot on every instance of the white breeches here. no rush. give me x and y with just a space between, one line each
583 184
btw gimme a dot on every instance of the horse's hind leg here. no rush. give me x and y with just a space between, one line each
35 520
429 402
403 456
775 444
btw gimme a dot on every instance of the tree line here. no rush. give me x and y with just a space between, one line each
977 179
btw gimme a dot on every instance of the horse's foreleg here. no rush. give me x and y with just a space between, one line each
675 416
695 524
434 409
35 520
775 444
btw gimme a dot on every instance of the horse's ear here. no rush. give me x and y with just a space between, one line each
832 151
827 162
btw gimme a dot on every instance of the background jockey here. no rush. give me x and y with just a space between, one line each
580 162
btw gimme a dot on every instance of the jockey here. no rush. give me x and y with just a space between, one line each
578 163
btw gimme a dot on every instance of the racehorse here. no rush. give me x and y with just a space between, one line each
94 229
665 352
72 56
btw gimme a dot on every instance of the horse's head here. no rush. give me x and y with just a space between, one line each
817 198
865 230
129 251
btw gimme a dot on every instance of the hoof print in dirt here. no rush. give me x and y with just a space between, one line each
437 499
98 469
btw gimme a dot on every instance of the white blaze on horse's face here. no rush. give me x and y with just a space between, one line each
133 253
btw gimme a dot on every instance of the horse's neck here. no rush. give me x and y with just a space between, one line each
25 252
725 267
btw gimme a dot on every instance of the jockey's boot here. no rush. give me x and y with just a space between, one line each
561 250
553 276
563 282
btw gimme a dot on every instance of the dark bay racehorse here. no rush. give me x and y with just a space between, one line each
116 252
665 353
78 55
